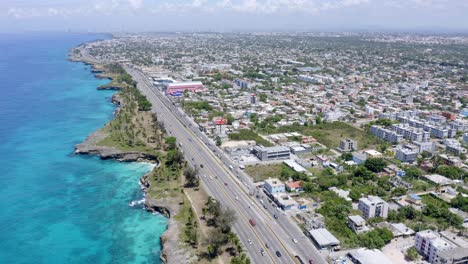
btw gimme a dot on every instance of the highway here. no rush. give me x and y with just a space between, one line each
232 188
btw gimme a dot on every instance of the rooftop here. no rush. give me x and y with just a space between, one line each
323 237
274 182
369 256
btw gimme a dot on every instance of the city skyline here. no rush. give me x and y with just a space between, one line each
235 15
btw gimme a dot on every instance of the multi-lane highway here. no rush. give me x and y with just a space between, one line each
274 232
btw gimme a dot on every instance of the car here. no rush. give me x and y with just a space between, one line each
311 261
267 245
250 241
201 166
278 254
262 252
211 178
237 198
265 206
294 240
226 184
275 216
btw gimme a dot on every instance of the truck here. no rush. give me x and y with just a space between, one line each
252 222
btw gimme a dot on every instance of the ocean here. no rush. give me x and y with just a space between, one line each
57 207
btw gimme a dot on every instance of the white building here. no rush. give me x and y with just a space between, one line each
428 243
373 206
274 186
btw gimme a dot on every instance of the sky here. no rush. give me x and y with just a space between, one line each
233 15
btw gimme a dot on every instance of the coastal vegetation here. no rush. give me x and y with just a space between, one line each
133 128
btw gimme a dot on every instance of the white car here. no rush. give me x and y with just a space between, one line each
237 198
250 241
294 240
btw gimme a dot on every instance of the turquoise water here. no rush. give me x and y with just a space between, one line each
56 207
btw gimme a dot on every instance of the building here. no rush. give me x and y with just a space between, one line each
372 153
284 201
341 193
180 87
323 238
357 224
429 244
405 154
452 256
368 256
454 147
243 84
271 153
373 206
386 134
274 185
425 146
411 133
397 229
359 158
295 166
253 98
323 159
294 186
348 145
438 179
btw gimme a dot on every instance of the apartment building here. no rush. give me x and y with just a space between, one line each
348 145
407 154
373 206
386 134
429 244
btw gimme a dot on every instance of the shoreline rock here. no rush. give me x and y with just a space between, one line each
171 251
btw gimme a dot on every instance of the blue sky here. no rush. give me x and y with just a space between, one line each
233 15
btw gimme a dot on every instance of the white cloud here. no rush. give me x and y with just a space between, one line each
136 4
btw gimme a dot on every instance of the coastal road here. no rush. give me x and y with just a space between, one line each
232 188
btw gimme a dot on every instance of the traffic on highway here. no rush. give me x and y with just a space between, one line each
269 236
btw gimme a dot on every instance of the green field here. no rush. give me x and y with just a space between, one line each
263 172
330 134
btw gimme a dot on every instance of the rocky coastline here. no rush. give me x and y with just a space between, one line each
171 252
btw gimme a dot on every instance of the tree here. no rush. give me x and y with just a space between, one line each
212 250
399 191
191 177
218 141
451 172
171 143
412 254
174 158
460 202
225 219
212 207
230 119
413 172
318 120
347 156
375 164
364 173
